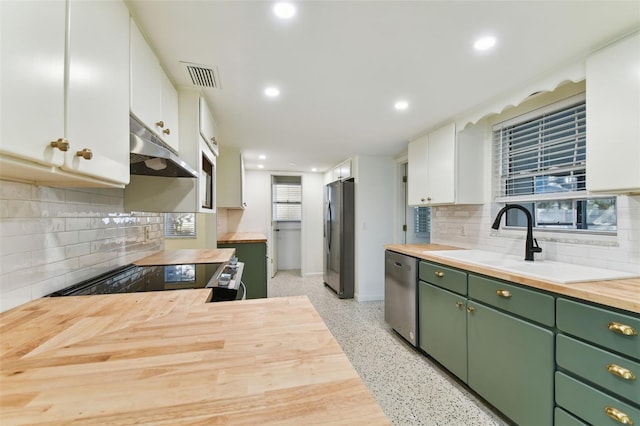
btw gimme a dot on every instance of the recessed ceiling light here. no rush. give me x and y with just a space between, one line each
313 169
401 105
262 157
485 43
284 10
272 92
260 166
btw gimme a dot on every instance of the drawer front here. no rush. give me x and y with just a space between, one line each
562 418
448 278
517 300
591 405
613 372
600 326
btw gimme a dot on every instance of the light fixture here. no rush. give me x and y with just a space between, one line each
262 157
272 92
485 43
313 169
284 10
401 105
260 166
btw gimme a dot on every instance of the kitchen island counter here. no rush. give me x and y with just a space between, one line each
620 293
170 358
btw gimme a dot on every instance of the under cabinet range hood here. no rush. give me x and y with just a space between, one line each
150 156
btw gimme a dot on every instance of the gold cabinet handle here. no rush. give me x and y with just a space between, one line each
214 141
167 131
160 124
618 415
470 309
623 329
621 372
459 305
422 200
85 153
62 144
439 274
428 198
503 293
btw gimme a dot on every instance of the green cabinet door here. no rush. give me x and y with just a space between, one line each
254 276
511 364
443 327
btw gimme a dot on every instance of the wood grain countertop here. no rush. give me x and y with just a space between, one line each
242 237
168 358
622 294
179 257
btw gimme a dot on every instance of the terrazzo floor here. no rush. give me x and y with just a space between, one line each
409 387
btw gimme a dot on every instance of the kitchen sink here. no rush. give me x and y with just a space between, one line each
558 272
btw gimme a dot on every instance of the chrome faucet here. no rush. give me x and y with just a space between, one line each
531 244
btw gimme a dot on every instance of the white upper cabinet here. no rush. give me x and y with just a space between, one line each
230 179
57 134
154 100
445 168
208 129
613 118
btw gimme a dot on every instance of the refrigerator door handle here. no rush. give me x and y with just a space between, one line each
329 222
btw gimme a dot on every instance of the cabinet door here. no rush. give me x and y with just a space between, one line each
97 116
32 75
169 113
417 171
145 80
254 276
511 364
613 108
208 129
441 163
443 327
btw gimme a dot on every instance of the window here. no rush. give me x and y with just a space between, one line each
422 222
287 201
180 225
539 162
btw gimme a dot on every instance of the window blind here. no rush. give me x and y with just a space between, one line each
542 156
422 221
287 199
180 225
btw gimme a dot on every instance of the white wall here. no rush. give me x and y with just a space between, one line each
375 177
313 218
51 238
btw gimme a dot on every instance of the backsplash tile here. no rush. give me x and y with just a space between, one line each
469 226
51 238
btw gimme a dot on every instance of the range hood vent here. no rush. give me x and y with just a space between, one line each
150 156
202 75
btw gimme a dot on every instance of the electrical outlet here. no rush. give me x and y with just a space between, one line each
147 233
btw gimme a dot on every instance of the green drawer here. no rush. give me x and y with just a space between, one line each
562 418
593 325
593 364
448 278
590 404
529 304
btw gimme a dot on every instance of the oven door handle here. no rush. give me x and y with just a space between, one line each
244 290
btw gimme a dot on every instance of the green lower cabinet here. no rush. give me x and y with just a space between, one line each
443 327
562 418
511 364
254 276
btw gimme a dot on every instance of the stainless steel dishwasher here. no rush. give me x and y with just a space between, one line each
400 294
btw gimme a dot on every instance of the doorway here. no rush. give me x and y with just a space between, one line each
286 223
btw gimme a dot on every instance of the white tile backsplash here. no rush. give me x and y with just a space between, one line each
470 227
51 238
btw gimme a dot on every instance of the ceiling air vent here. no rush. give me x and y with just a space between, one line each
202 75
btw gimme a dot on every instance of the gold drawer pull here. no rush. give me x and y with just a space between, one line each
62 144
470 309
85 153
621 372
618 415
439 274
623 329
459 304
503 293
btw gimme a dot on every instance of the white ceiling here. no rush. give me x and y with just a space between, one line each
341 65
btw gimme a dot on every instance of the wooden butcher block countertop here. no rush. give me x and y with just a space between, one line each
622 293
168 358
242 237
179 257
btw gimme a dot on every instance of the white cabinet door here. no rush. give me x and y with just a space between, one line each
230 178
418 153
441 165
32 75
97 116
208 129
145 81
169 112
613 118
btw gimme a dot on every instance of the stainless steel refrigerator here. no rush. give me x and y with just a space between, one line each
339 238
